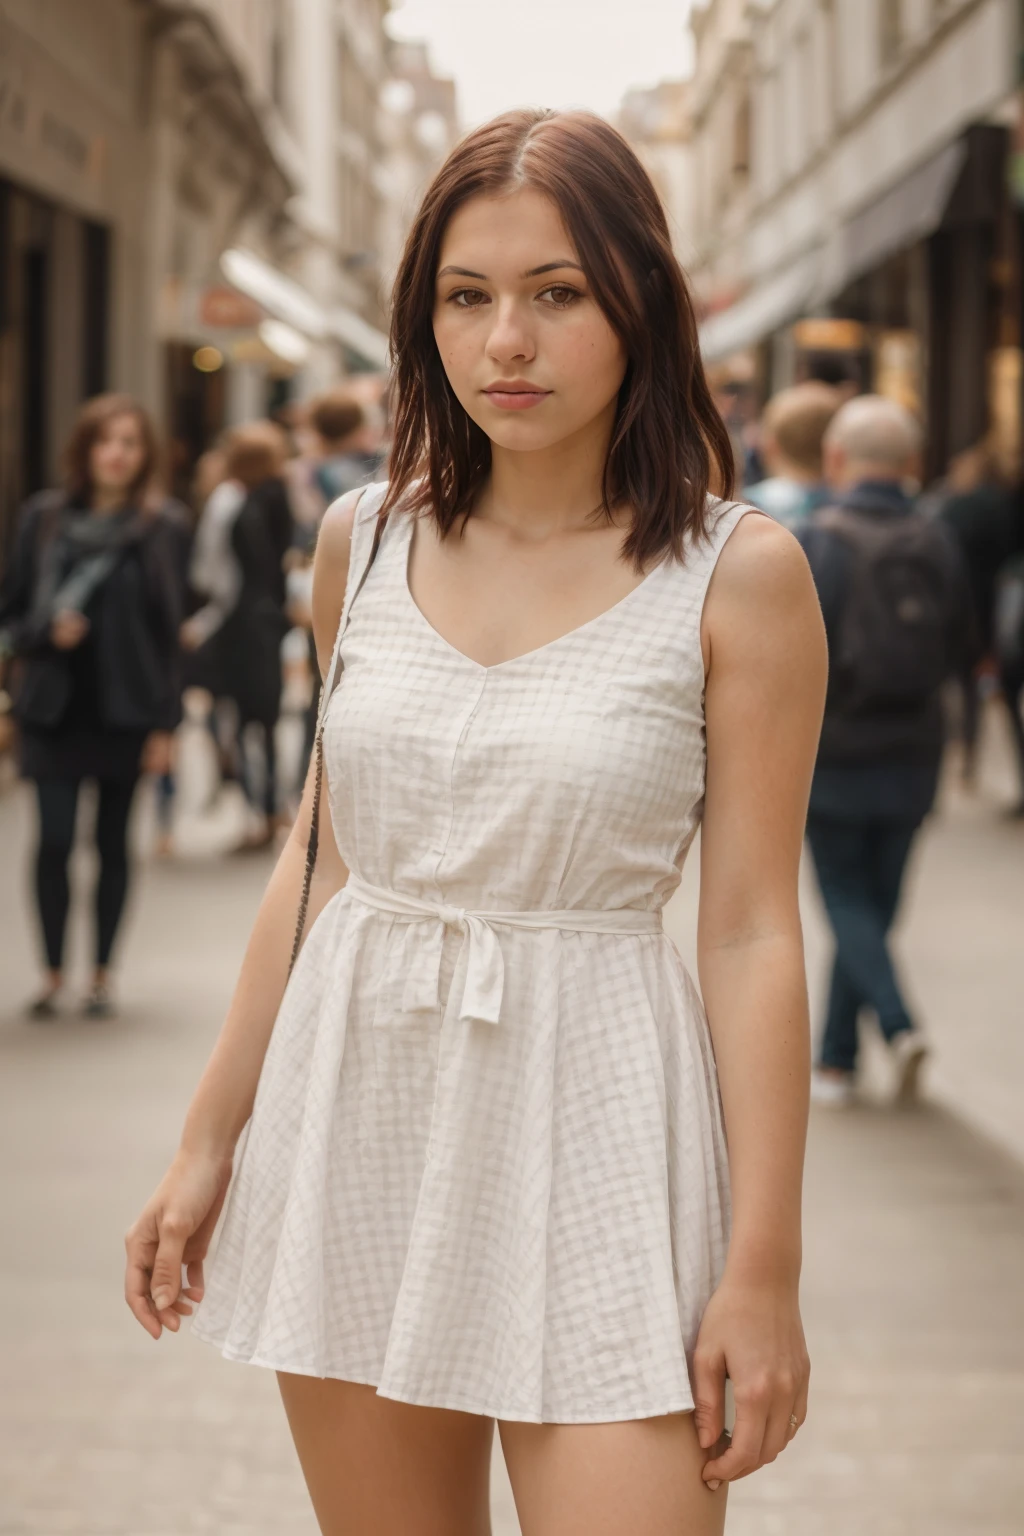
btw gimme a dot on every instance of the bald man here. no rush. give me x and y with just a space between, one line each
897 615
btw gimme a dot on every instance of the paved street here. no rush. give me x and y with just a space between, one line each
915 1236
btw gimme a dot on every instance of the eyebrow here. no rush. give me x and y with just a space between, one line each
550 266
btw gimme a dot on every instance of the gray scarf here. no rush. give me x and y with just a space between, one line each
83 552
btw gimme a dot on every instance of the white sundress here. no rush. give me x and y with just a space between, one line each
486 1168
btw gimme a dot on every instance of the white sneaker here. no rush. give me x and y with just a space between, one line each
831 1089
908 1049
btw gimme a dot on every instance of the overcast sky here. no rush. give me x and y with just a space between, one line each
552 53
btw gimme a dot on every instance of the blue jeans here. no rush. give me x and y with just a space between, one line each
860 866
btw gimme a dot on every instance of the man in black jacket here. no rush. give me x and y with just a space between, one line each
898 619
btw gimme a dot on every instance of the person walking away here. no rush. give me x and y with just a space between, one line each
244 537
1008 639
979 510
898 622
90 609
793 426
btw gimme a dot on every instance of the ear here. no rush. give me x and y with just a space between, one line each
833 462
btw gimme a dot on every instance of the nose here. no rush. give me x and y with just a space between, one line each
510 339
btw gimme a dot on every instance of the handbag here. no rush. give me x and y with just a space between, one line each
330 683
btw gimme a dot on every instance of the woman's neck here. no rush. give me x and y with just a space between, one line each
551 490
104 501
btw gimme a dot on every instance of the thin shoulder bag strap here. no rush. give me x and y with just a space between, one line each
331 681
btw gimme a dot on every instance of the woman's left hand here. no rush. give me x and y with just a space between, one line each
752 1333
157 752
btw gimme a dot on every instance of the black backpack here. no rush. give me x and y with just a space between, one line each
891 652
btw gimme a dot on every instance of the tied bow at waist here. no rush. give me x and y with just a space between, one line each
485 967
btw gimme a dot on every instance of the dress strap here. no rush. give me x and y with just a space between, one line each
367 531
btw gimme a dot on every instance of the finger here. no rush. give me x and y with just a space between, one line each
799 1409
136 1294
778 1430
744 1453
708 1397
194 1276
167 1264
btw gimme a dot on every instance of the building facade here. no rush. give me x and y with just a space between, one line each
852 204
419 125
657 123
190 210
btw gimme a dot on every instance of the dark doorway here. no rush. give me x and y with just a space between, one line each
96 307
195 413
34 369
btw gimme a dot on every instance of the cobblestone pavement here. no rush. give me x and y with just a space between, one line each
915 1238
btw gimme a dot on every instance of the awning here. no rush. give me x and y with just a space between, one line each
359 336
286 300
279 295
767 306
906 213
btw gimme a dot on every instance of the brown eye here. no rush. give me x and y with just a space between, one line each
467 298
560 296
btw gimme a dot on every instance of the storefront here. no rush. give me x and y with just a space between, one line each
67 174
929 271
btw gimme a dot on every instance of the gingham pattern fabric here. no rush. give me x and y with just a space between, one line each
522 1218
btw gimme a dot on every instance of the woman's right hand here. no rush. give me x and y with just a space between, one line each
68 629
173 1230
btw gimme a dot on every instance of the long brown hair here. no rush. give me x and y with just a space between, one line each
669 445
92 420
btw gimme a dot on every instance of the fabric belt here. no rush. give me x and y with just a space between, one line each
485 968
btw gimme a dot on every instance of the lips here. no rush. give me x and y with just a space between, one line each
515 395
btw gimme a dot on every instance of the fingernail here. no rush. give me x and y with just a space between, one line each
161 1300
714 1483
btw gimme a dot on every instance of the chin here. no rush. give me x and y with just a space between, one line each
519 436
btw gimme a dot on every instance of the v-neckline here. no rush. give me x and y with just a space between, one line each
524 656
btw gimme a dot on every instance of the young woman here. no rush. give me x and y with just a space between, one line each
485 1176
90 609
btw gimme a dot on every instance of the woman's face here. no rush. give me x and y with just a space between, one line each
530 355
118 455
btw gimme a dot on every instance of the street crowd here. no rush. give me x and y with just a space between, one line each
118 599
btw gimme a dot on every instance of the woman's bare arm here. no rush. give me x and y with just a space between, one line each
224 1097
178 1221
766 673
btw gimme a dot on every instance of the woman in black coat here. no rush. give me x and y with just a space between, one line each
90 610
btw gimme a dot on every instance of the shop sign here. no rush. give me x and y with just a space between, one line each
828 335
226 308
51 136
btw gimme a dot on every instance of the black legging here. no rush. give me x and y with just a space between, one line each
58 802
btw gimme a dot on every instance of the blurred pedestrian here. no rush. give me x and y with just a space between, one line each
979 509
90 608
793 427
897 617
244 535
1008 639
349 457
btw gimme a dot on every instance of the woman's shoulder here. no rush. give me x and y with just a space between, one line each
760 574
347 518
751 548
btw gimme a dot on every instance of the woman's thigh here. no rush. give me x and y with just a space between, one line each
376 1467
637 1478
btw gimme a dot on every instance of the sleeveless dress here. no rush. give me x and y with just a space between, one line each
486 1167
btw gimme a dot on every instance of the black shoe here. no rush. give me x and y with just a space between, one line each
99 1005
44 1008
